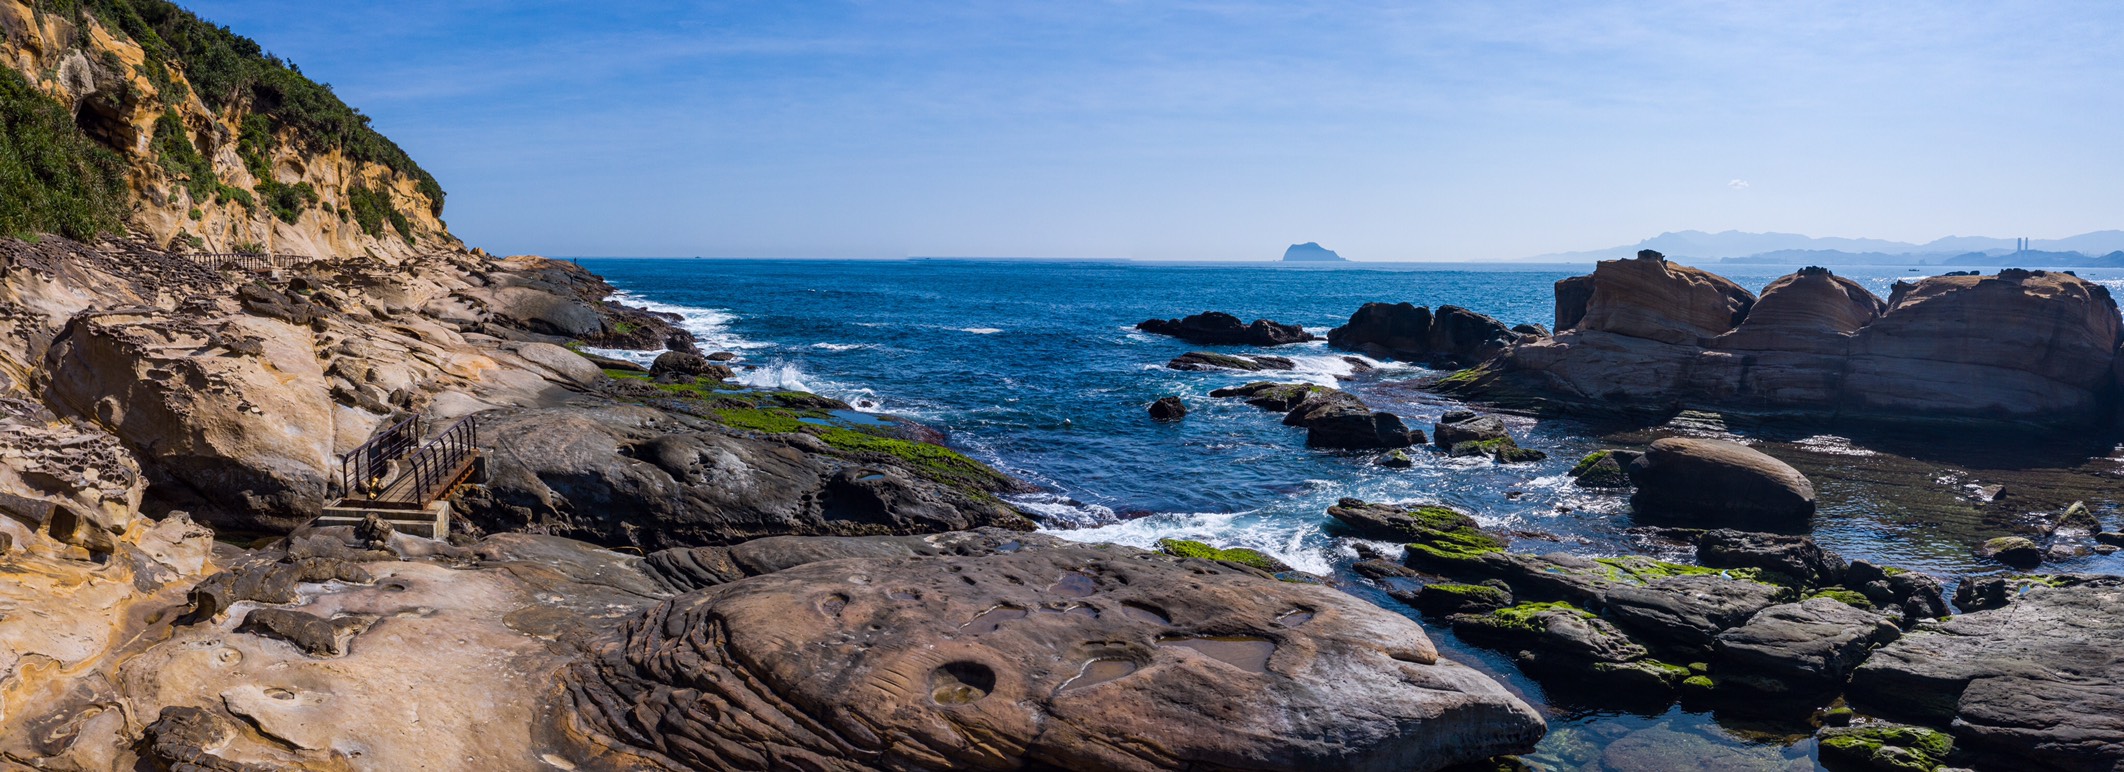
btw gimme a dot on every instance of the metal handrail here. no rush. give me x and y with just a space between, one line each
439 464
362 471
249 261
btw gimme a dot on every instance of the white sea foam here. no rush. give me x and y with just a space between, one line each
782 375
842 346
1058 509
1285 539
710 326
979 330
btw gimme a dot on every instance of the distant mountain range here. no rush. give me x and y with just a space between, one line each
2097 249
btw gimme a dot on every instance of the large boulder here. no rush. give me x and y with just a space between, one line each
1718 481
235 409
2041 679
1648 297
1219 328
1059 657
2021 344
1412 333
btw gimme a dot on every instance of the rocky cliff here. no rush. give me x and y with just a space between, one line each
1646 335
134 116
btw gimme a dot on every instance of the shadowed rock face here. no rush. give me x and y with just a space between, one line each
644 477
1645 335
1219 328
1067 656
1414 333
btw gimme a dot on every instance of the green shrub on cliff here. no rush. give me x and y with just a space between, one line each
228 70
55 179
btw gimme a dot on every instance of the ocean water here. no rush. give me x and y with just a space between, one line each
1034 368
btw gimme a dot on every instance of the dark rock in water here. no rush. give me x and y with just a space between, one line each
1797 557
1885 747
1168 409
1396 459
1686 613
721 356
1916 597
1805 647
1338 419
1502 449
689 365
1206 360
1714 480
2016 551
2110 538
1603 469
2041 680
1192 665
1280 397
1218 328
1563 642
1412 333
1429 525
1458 426
1531 330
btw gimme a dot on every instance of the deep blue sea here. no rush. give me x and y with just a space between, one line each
1033 367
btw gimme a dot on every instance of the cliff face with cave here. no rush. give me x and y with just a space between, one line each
197 139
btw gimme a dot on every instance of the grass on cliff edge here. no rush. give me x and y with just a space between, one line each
55 180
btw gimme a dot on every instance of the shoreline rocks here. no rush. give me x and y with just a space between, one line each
2027 348
1332 418
1411 333
1219 328
1207 360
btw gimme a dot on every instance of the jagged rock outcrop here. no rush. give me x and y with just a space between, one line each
1060 656
1411 333
1209 360
1338 419
1219 328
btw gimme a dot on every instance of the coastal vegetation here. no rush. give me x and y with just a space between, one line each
57 180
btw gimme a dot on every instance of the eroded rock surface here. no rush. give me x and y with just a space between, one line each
1067 656
1715 480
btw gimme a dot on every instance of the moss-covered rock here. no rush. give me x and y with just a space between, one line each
1841 595
1185 548
1502 449
2016 551
1885 748
1600 469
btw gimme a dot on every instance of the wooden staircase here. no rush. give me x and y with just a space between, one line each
407 481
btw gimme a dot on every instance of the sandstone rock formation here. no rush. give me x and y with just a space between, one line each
1219 328
1054 656
1645 335
1411 333
1716 480
2040 679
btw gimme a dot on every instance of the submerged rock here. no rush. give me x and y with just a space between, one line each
2017 551
1207 360
1715 480
1067 657
1168 409
1218 328
1602 469
1885 747
1267 395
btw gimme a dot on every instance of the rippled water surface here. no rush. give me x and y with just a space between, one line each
1034 368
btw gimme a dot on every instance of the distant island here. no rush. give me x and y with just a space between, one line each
1311 252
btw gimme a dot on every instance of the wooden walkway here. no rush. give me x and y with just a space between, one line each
400 478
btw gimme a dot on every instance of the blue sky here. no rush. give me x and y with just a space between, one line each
1224 130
